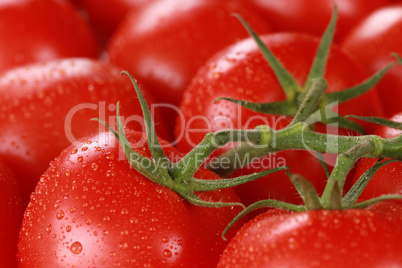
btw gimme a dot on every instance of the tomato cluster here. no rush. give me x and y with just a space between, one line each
87 204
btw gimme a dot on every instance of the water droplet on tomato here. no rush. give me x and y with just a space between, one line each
57 204
74 151
94 166
123 245
48 228
76 248
68 228
165 239
110 173
110 156
60 215
167 253
124 233
124 211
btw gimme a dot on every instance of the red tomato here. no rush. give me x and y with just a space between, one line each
241 72
372 42
312 16
91 208
11 211
164 43
45 107
388 179
319 238
107 15
40 30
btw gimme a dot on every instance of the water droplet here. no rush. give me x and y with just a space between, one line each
94 166
40 236
88 221
167 253
74 151
124 233
123 245
76 248
80 158
124 211
68 228
68 172
57 204
48 228
110 156
165 239
60 215
110 173
84 148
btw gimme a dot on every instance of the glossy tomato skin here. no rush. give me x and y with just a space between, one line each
313 16
11 211
388 179
91 208
164 43
45 107
348 238
372 42
241 72
40 30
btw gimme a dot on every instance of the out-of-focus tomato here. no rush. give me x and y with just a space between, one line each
45 107
312 16
106 15
11 211
40 30
372 42
164 43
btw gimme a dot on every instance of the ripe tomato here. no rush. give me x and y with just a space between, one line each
164 43
372 42
319 238
241 72
40 30
44 107
107 15
388 179
91 208
312 16
11 211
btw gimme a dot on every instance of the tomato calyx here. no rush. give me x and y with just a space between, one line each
299 135
179 176
295 92
332 201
